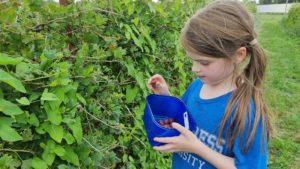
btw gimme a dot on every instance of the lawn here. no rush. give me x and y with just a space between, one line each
282 90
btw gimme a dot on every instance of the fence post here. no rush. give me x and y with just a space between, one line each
286 3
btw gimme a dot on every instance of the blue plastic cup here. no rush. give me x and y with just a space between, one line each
159 107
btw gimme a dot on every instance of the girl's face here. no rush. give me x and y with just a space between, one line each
212 71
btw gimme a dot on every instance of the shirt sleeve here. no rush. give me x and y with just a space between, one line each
257 155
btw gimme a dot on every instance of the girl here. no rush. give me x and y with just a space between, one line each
226 98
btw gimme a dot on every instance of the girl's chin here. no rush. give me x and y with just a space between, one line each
202 78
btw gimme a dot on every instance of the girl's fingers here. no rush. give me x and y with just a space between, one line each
156 78
154 85
152 81
158 85
164 148
180 128
164 139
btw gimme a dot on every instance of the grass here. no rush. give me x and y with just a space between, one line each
282 91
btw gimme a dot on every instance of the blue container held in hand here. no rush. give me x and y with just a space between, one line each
159 107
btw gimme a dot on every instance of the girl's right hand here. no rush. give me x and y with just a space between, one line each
158 85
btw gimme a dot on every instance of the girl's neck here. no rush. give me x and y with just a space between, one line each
212 91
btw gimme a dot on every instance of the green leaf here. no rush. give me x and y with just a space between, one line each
9 79
26 164
41 129
9 108
130 8
1 94
48 154
119 52
131 93
135 21
76 128
21 118
81 99
69 138
5 161
49 96
9 15
5 59
132 35
127 35
34 96
83 151
8 162
37 163
23 70
33 120
48 158
130 68
23 101
59 150
9 134
160 10
56 132
126 2
70 156
53 113
152 9
140 79
6 120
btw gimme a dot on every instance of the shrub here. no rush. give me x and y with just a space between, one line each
292 21
72 80
250 5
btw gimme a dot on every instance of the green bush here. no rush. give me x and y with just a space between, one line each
72 80
250 5
292 21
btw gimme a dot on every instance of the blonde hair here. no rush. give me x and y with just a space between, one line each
218 31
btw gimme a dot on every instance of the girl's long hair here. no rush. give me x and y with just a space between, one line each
218 31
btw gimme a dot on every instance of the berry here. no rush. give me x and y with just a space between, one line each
167 123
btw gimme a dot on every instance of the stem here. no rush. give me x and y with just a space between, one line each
139 127
96 149
96 118
73 15
12 150
43 77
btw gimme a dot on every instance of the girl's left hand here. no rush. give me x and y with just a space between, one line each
185 142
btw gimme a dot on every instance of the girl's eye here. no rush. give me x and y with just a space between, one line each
202 62
205 63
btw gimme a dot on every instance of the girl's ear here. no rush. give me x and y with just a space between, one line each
240 54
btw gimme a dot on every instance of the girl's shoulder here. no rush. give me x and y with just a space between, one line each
193 86
195 83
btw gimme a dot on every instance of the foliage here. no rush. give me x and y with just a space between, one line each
282 91
250 5
292 21
72 80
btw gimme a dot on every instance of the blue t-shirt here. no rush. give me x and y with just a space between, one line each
208 114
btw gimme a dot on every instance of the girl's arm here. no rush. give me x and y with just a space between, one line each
188 142
218 160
